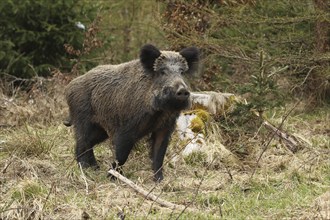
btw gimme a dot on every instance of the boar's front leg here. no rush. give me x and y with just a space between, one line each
123 143
159 143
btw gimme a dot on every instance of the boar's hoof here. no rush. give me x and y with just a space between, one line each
116 168
158 177
67 122
86 165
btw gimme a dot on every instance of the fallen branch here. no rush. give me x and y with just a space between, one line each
147 194
290 142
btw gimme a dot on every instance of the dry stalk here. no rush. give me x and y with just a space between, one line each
84 178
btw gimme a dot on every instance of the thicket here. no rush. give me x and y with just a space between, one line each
33 34
292 35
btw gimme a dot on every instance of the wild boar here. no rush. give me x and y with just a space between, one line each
129 101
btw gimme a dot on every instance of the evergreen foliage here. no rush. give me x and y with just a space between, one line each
33 34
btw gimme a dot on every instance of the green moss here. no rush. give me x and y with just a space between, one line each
198 123
200 112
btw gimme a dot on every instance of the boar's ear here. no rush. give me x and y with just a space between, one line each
191 54
148 55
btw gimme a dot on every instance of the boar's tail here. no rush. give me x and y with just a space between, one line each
67 122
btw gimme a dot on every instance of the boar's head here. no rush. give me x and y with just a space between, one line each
167 69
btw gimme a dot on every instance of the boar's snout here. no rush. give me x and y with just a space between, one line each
178 92
173 97
182 93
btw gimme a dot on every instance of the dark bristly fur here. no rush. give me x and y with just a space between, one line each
129 101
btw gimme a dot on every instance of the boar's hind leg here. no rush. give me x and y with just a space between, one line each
88 135
159 143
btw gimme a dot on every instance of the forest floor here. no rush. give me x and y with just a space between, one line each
40 179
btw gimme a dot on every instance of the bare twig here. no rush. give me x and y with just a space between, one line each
146 193
150 209
6 166
305 79
150 191
50 191
271 138
198 187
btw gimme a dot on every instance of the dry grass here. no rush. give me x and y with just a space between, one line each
40 179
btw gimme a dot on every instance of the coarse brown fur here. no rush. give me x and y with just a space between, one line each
129 101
